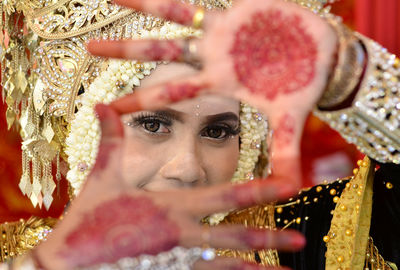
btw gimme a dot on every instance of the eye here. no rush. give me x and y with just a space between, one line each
154 126
219 132
151 126
215 133
151 123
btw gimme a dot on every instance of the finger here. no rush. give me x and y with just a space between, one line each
285 159
222 263
144 50
171 10
241 238
161 95
111 136
227 196
287 169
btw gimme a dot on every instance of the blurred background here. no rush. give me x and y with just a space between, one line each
326 156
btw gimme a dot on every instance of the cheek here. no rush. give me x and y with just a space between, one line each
221 163
140 162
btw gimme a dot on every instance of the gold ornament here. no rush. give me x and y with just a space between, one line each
198 18
65 83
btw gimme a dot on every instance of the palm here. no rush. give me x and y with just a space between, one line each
271 54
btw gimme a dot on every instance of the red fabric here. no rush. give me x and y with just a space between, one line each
13 205
380 21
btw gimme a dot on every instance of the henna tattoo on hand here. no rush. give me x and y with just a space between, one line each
103 156
177 92
274 55
167 50
243 194
284 133
255 238
125 227
177 13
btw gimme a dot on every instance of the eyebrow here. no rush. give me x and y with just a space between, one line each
228 116
179 116
170 113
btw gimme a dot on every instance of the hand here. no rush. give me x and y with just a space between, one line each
272 54
110 220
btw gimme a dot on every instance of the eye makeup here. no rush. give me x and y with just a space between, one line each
153 123
215 127
144 117
221 126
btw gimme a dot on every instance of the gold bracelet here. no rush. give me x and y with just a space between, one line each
349 68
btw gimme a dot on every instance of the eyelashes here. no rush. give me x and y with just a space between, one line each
220 131
146 117
160 123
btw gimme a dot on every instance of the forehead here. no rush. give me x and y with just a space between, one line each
207 105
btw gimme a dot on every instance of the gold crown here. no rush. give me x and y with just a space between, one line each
59 32
53 53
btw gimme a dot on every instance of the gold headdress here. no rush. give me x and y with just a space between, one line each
50 83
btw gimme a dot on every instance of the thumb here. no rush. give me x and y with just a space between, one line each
112 133
160 95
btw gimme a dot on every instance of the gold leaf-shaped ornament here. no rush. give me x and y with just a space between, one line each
47 151
48 132
10 117
21 81
38 99
25 185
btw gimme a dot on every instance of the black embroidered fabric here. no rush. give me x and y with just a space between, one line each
314 208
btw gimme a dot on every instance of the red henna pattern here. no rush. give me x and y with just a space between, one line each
177 92
176 12
254 238
125 227
284 133
103 156
166 50
242 195
274 54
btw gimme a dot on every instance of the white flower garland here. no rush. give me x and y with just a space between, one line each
253 131
83 140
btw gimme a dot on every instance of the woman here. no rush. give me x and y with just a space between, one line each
207 136
174 93
359 101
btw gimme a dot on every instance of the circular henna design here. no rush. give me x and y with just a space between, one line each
285 132
124 227
274 55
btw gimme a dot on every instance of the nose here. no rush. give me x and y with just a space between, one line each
185 164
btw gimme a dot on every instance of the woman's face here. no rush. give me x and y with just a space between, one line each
190 143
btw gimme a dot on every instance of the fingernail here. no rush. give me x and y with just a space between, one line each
92 46
286 190
101 111
298 242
